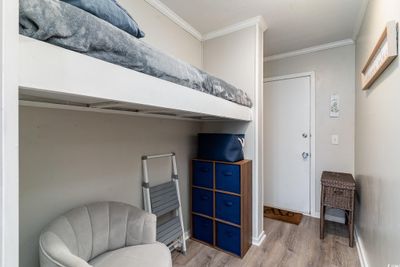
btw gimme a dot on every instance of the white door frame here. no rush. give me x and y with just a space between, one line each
313 181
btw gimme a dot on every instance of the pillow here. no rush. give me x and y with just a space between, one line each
110 11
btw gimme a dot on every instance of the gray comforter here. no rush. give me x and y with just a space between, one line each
64 25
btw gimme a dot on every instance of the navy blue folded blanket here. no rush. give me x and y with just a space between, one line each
70 27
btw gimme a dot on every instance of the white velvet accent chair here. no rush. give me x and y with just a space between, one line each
104 234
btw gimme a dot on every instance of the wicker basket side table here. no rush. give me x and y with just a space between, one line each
338 191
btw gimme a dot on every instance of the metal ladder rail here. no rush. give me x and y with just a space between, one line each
175 179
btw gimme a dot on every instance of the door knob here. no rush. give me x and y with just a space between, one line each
305 155
305 135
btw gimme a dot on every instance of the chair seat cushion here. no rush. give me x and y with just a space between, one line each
155 254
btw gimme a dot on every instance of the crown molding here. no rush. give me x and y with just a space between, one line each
175 18
360 18
258 20
162 8
309 50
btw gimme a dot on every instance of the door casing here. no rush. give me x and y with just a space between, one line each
313 181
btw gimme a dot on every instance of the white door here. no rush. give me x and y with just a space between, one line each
287 114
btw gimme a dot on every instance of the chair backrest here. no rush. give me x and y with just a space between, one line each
93 229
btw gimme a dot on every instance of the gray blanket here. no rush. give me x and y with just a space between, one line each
64 25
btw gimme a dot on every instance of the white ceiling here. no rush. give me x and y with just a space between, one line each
292 24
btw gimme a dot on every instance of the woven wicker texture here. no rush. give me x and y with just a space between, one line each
338 191
338 179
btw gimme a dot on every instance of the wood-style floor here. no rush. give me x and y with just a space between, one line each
285 245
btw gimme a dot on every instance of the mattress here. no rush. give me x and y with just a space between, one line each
65 25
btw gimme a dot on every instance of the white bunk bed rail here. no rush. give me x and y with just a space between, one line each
55 77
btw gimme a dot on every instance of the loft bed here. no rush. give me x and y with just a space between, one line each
55 77
52 76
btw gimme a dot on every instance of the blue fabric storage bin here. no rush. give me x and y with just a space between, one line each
203 174
228 238
227 177
203 229
203 201
227 207
221 147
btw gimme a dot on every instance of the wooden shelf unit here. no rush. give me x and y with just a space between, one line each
227 184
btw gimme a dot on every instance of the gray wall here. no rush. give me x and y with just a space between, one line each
220 56
377 144
334 72
163 33
70 158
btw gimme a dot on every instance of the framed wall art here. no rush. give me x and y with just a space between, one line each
384 52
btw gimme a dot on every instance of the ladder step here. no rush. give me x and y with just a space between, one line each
165 208
162 187
164 198
173 236
166 225
169 231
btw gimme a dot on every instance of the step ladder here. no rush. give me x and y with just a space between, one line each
164 201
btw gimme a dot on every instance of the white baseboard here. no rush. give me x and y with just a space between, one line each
257 241
187 235
360 249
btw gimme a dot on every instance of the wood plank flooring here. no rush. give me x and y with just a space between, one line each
285 245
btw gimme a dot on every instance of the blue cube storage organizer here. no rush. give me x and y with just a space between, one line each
221 204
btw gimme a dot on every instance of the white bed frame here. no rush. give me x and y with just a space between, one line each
51 76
